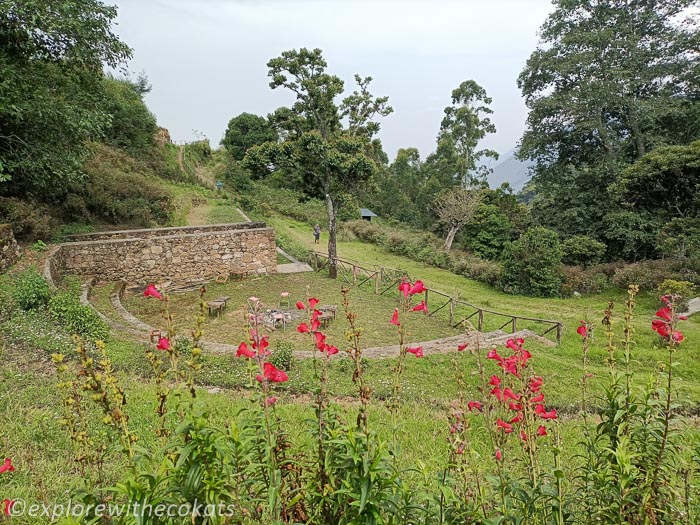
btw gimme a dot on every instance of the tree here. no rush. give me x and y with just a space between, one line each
454 209
532 264
329 144
664 182
51 57
245 131
488 231
464 125
610 80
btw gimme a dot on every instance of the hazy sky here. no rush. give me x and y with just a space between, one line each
206 58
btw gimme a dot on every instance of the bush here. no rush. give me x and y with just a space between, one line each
532 264
31 291
488 232
283 355
582 250
77 318
682 290
578 280
30 220
650 274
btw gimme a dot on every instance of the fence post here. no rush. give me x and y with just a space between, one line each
426 297
481 321
354 275
376 283
559 333
452 312
515 320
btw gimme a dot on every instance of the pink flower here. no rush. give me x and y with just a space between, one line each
301 306
474 405
417 288
495 381
303 328
152 291
677 336
462 346
493 354
7 466
313 302
420 307
416 351
541 431
498 455
270 401
404 287
163 344
395 318
243 350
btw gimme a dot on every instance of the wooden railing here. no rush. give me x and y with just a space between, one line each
384 279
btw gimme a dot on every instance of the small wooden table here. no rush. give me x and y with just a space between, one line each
325 318
328 309
216 306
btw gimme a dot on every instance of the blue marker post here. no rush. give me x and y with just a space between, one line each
219 185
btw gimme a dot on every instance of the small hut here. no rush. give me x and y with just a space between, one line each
367 214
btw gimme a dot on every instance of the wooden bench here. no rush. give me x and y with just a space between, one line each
328 309
215 306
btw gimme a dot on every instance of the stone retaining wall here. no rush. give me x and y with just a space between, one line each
168 254
9 249
163 232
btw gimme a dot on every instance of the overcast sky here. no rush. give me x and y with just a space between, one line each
206 58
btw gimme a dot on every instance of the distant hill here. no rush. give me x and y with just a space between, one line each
511 170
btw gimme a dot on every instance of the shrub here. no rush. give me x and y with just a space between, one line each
77 318
532 264
582 250
488 232
582 281
283 355
650 274
30 220
682 290
31 291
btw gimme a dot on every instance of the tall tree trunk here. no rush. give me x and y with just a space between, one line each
451 237
332 250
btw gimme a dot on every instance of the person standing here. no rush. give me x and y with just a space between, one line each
317 234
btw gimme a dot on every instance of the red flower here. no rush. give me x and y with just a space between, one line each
163 344
417 288
517 419
541 431
261 345
270 401
507 427
273 374
498 454
320 339
7 505
331 350
510 365
404 287
244 350
538 399
515 344
664 313
495 381
495 391
535 384
474 405
416 351
523 435
7 466
552 414
582 330
315 325
508 393
313 302
515 407
661 327
395 317
301 306
152 291
677 336
420 307
492 354
462 346
303 328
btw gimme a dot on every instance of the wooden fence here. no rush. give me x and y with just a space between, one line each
457 311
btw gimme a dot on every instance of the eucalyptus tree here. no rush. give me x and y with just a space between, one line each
329 143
